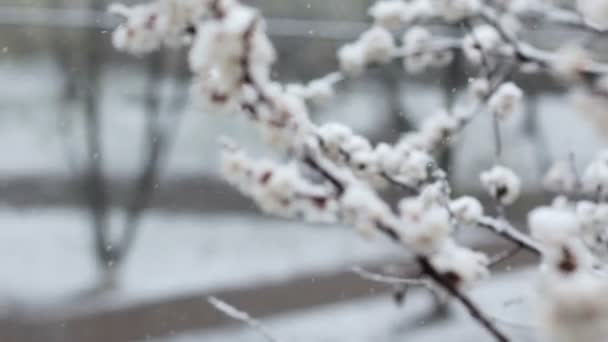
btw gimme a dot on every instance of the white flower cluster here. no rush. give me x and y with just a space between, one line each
319 90
435 131
553 226
573 308
571 305
375 45
481 42
479 88
226 50
419 52
595 176
426 224
389 13
148 26
463 266
277 189
426 228
364 210
593 219
466 209
502 184
400 162
506 100
569 61
392 13
456 10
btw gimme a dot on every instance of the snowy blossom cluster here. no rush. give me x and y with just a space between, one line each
148 26
375 45
401 162
277 189
571 305
502 184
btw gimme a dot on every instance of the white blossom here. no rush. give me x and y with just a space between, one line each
417 49
352 58
435 131
479 87
482 39
502 184
466 209
389 13
277 189
593 219
595 176
461 265
426 227
143 30
506 100
553 226
363 209
378 44
456 10
573 308
570 61
319 90
375 45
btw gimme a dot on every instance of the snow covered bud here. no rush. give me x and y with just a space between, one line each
467 210
560 178
593 219
462 266
276 188
389 13
319 91
143 30
506 100
435 131
375 45
456 10
477 44
553 226
479 87
570 61
573 308
210 93
595 177
594 11
417 49
502 184
223 44
426 226
362 208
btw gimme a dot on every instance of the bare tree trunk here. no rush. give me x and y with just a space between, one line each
159 136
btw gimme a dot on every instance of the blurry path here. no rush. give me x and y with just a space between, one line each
192 312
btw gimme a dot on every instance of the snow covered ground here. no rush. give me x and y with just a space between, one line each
506 298
46 258
46 255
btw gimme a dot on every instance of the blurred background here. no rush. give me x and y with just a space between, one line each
114 224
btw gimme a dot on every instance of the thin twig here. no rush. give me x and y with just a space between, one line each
504 255
386 279
241 316
504 229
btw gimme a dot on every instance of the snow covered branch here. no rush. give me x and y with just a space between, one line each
336 175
